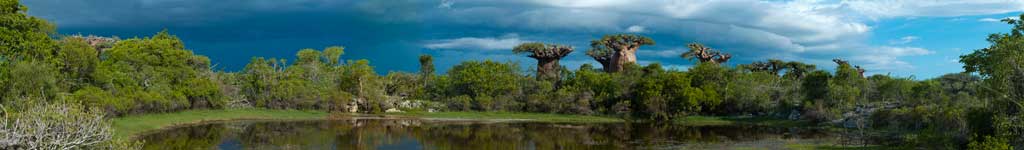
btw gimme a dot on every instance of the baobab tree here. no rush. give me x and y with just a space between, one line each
622 47
705 54
798 70
841 62
792 69
601 54
547 56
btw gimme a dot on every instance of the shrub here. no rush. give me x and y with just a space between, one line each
58 126
990 143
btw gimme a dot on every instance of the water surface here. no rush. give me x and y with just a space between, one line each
476 135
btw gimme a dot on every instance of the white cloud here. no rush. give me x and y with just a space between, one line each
931 8
477 43
583 3
994 19
902 51
445 4
904 40
886 58
636 29
989 20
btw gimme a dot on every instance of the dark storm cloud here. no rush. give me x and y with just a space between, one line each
391 33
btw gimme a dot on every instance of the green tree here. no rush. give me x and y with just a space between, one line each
815 85
36 81
1001 65
24 37
79 59
601 54
483 78
308 57
845 87
332 55
359 79
159 73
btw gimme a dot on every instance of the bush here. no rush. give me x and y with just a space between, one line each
990 143
58 126
460 103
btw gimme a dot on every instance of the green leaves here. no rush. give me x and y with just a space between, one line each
477 78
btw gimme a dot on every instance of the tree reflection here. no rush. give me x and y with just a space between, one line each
360 134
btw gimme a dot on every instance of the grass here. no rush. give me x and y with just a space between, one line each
540 117
130 126
717 120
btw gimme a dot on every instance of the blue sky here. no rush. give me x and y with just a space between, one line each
922 38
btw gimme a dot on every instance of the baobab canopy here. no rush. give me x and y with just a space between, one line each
547 56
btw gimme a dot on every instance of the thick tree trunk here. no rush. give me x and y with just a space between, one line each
621 58
548 69
606 65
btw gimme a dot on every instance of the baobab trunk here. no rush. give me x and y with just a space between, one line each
548 69
621 58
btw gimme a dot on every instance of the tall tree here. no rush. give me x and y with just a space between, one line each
773 66
798 70
705 54
623 48
547 56
333 55
1001 65
79 59
426 64
601 54
24 37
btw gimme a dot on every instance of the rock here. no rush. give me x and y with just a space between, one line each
431 110
353 107
392 110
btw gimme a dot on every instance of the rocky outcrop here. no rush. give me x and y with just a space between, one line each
98 42
859 117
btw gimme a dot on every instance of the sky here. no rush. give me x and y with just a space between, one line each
908 38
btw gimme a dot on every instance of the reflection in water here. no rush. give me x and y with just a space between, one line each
425 134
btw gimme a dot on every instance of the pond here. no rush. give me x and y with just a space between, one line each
477 135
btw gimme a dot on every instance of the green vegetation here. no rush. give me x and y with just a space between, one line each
111 77
134 125
509 116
